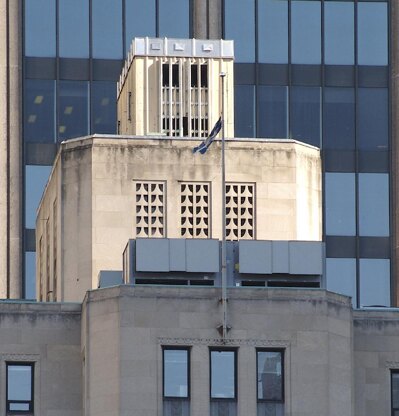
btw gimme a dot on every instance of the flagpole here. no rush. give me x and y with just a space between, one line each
224 261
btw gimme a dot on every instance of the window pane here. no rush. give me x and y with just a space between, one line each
30 275
305 114
372 33
74 28
240 26
40 28
341 277
340 203
39 110
73 109
339 43
395 390
35 181
107 29
19 382
175 373
223 374
339 118
103 101
372 122
270 375
374 282
140 19
373 204
273 112
244 110
306 32
273 31
174 18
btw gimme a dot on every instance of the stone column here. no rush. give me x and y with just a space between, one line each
10 148
207 19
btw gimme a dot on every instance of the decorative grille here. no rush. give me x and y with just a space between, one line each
194 210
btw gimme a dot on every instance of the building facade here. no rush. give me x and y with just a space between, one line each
329 84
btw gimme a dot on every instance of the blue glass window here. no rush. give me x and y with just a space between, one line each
223 374
40 35
273 31
372 124
339 38
341 277
20 388
30 275
244 110
240 26
35 181
273 112
305 115
74 28
340 203
175 373
39 110
373 204
107 29
305 32
174 18
73 116
140 19
339 118
103 101
374 282
372 33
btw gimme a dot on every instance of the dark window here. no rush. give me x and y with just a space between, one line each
273 112
73 114
240 26
339 118
273 31
176 381
140 19
305 114
20 387
40 28
305 32
74 28
39 110
372 119
339 43
244 114
174 18
372 33
103 101
395 392
107 29
270 382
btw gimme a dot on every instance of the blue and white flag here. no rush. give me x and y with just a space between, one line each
203 147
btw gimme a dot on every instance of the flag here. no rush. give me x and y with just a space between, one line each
203 147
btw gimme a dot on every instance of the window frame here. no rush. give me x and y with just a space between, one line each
31 403
224 399
275 350
393 410
179 348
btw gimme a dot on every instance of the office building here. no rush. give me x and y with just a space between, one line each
317 71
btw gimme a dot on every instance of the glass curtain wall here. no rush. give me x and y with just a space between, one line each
317 71
73 55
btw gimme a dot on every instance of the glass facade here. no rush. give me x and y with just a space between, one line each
310 70
317 71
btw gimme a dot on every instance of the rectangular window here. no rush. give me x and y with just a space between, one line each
20 388
176 381
223 386
395 392
270 382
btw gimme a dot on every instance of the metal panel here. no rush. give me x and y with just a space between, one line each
177 254
306 257
202 256
107 278
280 257
255 257
152 255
